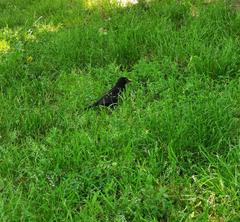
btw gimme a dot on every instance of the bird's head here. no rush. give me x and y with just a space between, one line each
122 81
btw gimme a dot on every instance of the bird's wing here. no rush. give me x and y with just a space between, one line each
109 98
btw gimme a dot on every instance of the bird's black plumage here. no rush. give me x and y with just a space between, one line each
110 99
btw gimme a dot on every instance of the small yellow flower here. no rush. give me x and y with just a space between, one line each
29 59
4 46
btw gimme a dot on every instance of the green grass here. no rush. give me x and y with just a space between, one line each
169 152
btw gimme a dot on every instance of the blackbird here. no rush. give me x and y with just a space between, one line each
110 99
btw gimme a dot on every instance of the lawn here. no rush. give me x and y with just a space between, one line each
169 152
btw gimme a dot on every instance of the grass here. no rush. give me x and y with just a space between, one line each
169 152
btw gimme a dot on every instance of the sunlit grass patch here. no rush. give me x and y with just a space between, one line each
90 4
100 3
48 27
4 46
125 3
102 31
30 37
194 11
8 33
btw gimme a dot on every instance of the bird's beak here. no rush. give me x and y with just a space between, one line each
129 80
